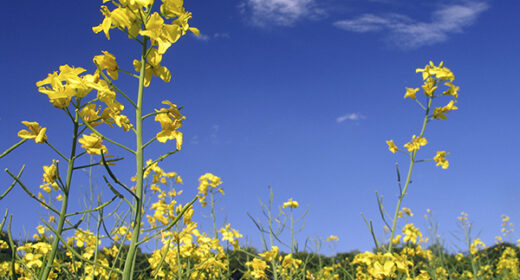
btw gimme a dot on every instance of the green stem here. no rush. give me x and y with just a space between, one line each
108 139
213 215
114 86
12 148
56 150
408 177
63 212
130 259
12 186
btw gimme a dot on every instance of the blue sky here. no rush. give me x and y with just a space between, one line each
300 95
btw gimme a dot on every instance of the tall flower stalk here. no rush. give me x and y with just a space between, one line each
434 77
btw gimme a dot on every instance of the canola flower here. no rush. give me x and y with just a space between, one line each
184 252
34 132
290 204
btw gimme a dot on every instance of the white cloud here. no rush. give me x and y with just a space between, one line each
224 35
202 37
350 117
266 13
408 33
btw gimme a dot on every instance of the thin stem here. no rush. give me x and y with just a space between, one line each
108 139
97 163
56 150
30 193
93 209
420 104
12 185
213 216
110 83
13 248
160 159
174 222
149 142
12 148
408 178
128 73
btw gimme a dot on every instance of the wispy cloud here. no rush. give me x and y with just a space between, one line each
214 136
203 37
224 35
408 33
194 140
206 37
349 117
265 13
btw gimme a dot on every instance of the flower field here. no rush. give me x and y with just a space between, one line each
106 237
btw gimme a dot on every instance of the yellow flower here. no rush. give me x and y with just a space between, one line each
90 114
440 159
391 146
291 204
118 18
411 233
429 87
438 113
259 266
64 86
410 92
92 144
477 243
35 132
416 143
171 120
439 72
107 61
59 197
206 182
332 238
162 35
271 255
153 67
407 211
50 173
453 90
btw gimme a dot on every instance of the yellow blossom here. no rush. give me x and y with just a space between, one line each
171 120
407 211
107 61
440 159
438 112
153 67
63 86
92 144
271 255
90 114
35 132
410 93
290 203
477 243
453 90
259 266
332 238
391 146
416 143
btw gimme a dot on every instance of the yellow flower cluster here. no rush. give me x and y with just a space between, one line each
35 132
171 120
290 203
208 182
